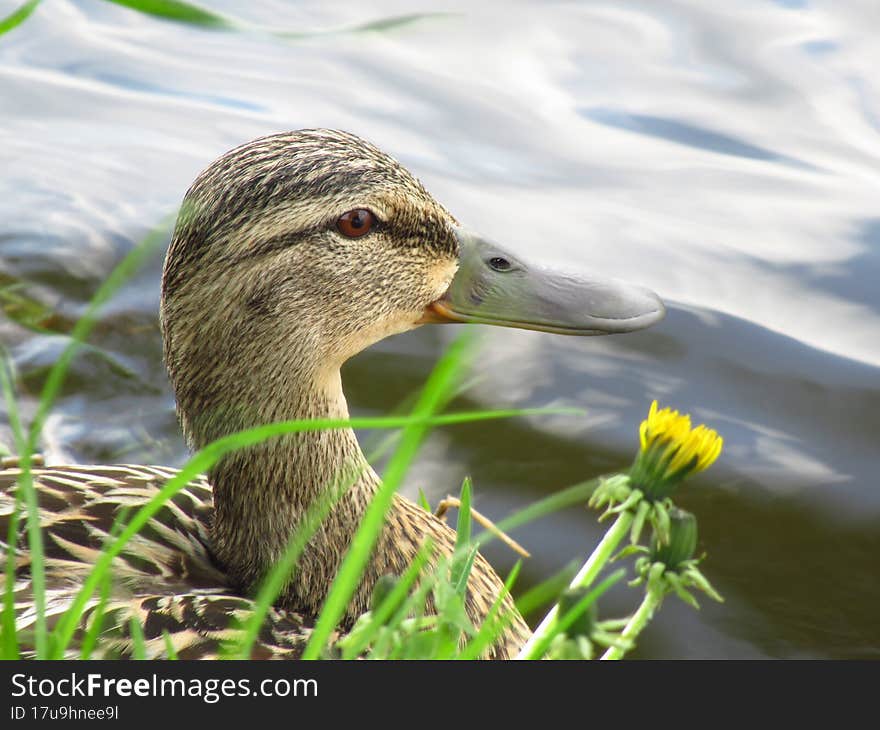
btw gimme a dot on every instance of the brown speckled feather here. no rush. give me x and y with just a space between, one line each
164 577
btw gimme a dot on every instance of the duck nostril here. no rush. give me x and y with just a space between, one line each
499 264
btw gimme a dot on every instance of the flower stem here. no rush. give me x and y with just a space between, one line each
650 603
585 576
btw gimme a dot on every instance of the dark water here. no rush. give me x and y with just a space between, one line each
726 156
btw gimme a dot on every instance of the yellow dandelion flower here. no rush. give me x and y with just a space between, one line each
670 450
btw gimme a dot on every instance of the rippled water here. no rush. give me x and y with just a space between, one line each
724 155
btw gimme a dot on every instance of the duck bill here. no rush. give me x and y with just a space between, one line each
493 287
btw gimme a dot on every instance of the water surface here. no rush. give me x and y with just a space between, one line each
727 157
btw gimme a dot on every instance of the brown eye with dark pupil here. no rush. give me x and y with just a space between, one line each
355 223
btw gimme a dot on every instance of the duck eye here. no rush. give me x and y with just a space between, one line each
355 223
499 264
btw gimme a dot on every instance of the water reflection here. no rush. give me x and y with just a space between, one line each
686 134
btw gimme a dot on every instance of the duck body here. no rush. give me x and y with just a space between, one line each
291 254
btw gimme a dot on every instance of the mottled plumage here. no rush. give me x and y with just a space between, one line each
165 576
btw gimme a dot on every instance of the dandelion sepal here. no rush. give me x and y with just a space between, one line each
617 495
612 492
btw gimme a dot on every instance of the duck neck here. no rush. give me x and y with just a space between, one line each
263 494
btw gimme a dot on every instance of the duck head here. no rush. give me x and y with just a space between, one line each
296 251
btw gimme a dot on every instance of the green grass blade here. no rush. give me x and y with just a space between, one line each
493 625
382 25
546 591
461 570
178 11
169 645
464 553
423 501
97 623
576 494
18 16
463 524
398 21
8 633
138 643
9 643
90 640
347 579
29 495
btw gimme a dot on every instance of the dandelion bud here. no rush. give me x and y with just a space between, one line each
682 540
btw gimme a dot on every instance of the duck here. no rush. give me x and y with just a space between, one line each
291 253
